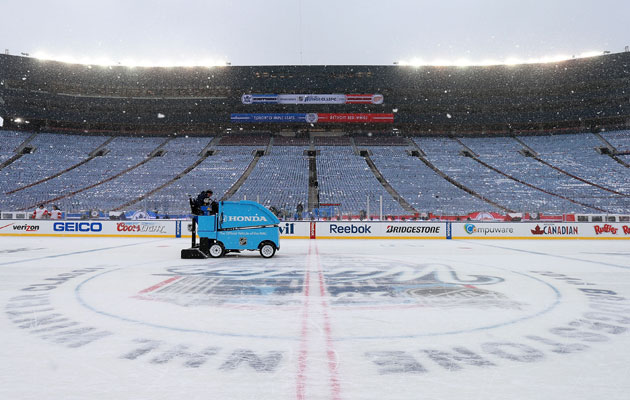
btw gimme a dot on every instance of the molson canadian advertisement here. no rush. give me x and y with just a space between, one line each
540 230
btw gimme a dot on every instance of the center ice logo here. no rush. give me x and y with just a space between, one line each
371 284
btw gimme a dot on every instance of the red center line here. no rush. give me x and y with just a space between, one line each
303 355
335 387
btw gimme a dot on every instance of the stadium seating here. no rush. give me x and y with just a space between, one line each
445 154
178 154
147 173
53 153
281 140
345 179
217 172
421 186
280 179
576 154
503 153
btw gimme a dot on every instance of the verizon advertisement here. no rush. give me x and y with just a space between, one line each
88 228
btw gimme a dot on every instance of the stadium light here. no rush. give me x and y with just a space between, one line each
462 62
107 62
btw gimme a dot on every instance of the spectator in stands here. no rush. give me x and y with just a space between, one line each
298 211
55 213
41 212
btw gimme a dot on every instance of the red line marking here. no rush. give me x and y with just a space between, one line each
159 285
303 356
335 387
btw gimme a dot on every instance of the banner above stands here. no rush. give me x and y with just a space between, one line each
312 99
331 229
312 118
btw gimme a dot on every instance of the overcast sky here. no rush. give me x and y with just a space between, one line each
267 32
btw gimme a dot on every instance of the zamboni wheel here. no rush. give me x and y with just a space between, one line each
216 250
267 250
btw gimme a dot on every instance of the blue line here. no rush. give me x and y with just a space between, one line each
77 293
77 252
547 254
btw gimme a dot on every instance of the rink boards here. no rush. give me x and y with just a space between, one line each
332 229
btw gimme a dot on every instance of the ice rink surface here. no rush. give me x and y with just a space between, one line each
346 319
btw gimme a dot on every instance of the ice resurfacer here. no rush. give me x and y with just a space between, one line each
237 225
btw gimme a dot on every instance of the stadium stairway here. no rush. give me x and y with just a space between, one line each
313 185
381 179
153 154
611 151
239 182
205 153
419 153
24 148
98 152
403 203
467 152
529 152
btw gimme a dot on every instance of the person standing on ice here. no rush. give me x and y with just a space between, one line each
41 212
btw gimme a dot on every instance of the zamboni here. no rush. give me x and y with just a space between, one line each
236 226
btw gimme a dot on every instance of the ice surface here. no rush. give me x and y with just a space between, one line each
347 319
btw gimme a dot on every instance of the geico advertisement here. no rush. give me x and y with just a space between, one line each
541 230
87 228
294 230
340 229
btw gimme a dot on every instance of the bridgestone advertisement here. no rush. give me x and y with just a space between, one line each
381 230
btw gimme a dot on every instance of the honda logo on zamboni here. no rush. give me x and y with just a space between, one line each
251 218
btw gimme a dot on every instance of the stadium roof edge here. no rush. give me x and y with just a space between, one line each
508 63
